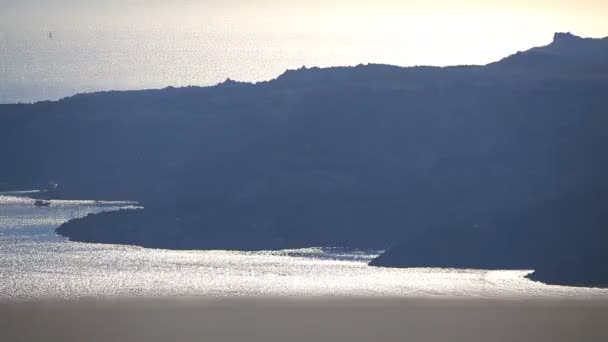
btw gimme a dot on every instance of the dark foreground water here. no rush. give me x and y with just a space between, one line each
35 263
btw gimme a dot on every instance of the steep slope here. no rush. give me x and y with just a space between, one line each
562 239
342 156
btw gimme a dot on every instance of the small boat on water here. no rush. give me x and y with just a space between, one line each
42 203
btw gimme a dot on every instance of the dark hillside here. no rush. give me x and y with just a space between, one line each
361 156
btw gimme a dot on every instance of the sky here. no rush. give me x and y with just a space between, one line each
424 21
584 15
126 44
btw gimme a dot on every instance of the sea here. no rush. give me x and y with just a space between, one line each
36 263
38 65
34 67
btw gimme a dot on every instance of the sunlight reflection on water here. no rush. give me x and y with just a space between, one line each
35 263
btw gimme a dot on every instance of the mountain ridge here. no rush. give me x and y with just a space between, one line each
351 156
313 75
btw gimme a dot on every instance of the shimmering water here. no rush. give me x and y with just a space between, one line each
85 59
34 67
35 263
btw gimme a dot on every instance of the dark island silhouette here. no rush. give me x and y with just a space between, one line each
562 239
465 163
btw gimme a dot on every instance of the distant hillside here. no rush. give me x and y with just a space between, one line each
563 239
362 156
570 48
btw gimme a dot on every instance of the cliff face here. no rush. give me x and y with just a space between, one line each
563 240
361 156
581 272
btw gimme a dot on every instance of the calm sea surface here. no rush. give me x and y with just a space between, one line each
35 263
34 67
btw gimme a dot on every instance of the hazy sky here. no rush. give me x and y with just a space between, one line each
467 20
181 42
584 16
485 28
